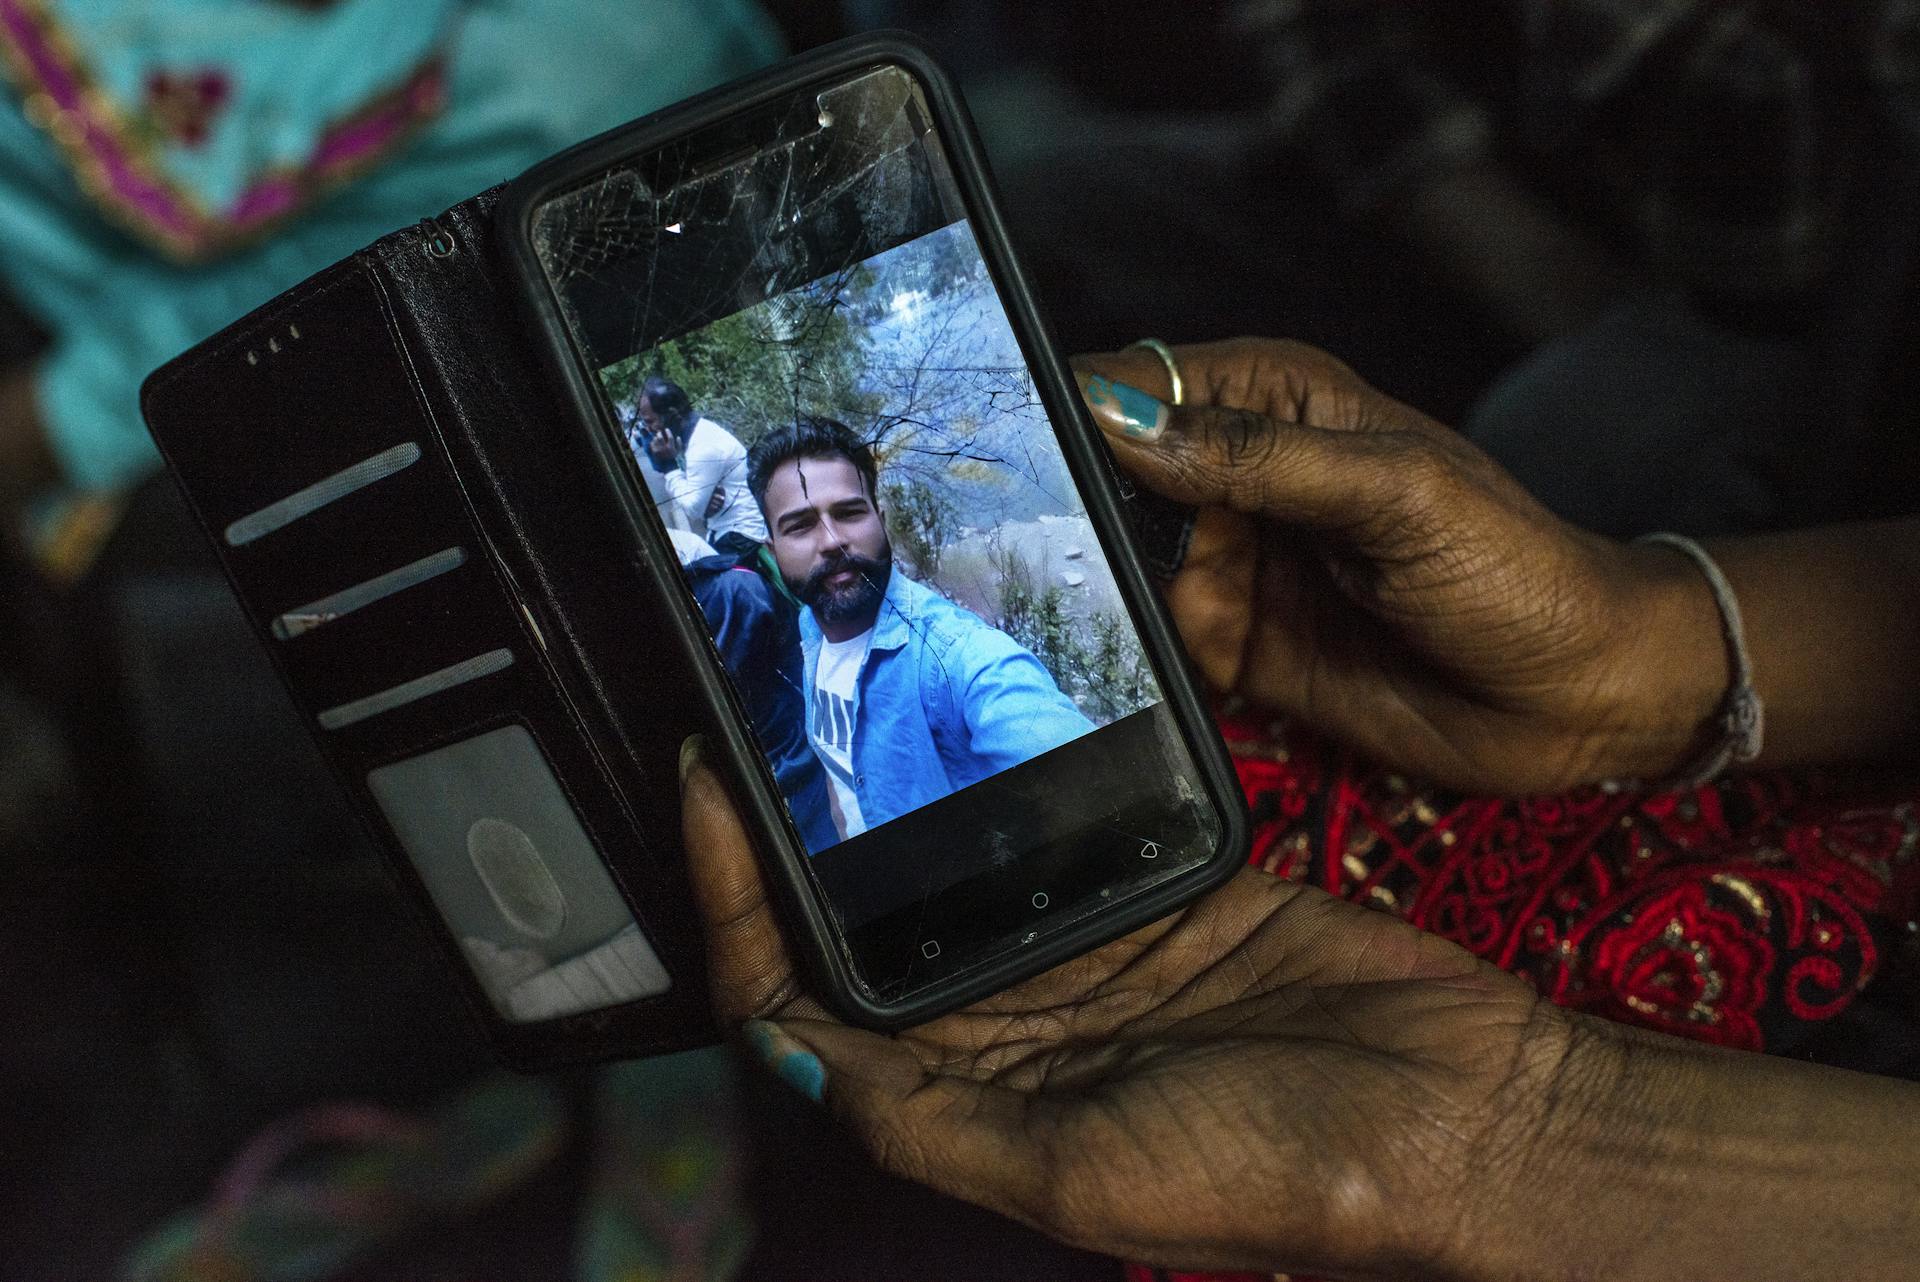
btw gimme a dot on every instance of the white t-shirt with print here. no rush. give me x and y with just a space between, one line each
831 718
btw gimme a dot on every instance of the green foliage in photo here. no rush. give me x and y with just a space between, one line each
796 355
1097 662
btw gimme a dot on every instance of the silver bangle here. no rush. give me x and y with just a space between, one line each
1742 718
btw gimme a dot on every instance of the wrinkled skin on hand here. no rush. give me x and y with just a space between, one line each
1362 567
1272 1078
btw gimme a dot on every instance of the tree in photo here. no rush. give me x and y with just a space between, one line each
920 520
795 355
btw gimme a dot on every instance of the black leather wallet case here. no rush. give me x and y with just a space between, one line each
372 455
415 530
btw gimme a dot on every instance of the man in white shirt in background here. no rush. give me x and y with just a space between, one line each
704 467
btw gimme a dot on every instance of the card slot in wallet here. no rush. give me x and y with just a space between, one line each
401 601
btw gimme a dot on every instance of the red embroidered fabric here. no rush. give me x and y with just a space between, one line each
1744 913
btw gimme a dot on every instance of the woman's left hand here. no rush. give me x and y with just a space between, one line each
1272 1078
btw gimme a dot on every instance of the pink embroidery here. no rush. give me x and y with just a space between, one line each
183 105
108 159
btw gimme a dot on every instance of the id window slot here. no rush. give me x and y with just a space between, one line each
516 879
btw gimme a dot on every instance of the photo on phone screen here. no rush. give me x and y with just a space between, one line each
803 346
895 565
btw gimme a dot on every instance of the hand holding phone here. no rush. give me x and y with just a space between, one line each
663 451
1322 582
1307 1037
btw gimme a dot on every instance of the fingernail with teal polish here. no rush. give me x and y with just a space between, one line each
1125 410
690 749
791 1062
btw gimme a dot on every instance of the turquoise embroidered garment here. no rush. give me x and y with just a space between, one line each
198 123
166 165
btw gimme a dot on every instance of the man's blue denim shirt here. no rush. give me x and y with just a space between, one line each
946 700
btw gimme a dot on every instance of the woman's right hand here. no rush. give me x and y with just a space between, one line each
1361 567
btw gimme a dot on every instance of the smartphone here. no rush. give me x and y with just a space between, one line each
951 704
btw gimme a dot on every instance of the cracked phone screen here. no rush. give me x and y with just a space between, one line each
802 344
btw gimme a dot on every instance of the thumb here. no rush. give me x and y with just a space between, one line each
747 958
967 1138
1217 456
